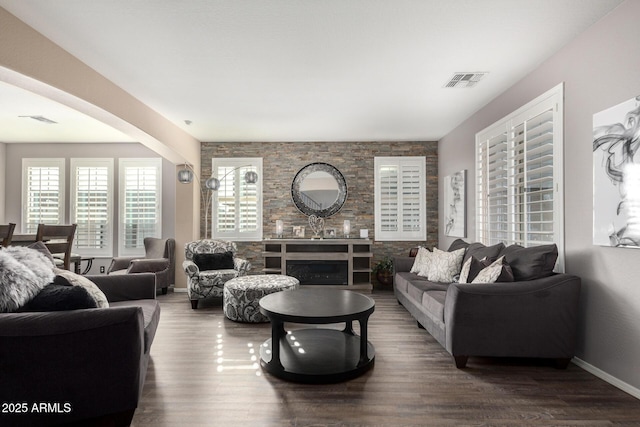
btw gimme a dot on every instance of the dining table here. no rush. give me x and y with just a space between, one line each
75 259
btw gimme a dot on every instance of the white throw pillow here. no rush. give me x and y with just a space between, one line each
78 280
471 268
464 271
421 263
445 266
491 273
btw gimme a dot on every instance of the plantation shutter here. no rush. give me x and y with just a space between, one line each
91 205
411 184
226 200
533 182
43 194
140 203
519 177
237 205
389 196
247 202
400 198
493 189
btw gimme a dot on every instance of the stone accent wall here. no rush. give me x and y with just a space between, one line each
281 162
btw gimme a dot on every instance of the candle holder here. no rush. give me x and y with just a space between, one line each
346 228
279 228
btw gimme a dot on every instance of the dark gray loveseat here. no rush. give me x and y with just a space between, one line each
83 367
525 318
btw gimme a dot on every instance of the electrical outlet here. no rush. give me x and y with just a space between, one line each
102 269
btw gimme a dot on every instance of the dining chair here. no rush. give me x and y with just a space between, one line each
59 240
6 233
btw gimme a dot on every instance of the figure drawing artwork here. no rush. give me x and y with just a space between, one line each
616 175
455 204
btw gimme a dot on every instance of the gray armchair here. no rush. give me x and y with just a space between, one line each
159 259
203 283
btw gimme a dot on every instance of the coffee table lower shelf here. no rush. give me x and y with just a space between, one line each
317 356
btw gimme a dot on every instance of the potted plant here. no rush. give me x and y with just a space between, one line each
384 271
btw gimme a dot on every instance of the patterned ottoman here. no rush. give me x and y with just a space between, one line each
242 295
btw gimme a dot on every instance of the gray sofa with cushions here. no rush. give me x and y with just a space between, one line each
533 316
89 365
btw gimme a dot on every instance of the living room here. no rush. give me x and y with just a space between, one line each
597 68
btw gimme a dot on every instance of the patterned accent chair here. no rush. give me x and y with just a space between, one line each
203 284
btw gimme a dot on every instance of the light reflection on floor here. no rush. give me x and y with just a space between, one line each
226 364
252 361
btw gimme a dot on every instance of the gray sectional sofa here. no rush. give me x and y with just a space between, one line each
79 367
533 316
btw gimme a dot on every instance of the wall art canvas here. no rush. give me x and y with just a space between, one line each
455 205
616 175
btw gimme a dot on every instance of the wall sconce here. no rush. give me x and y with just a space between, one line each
186 176
279 228
346 228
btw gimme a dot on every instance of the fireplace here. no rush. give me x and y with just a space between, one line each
339 263
319 272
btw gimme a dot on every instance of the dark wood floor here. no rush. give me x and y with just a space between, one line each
205 372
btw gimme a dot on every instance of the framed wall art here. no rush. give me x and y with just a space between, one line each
455 204
616 175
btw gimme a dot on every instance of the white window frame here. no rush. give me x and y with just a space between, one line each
419 233
60 163
553 101
107 241
237 163
123 164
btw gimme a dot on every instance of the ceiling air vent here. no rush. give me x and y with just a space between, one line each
41 119
465 79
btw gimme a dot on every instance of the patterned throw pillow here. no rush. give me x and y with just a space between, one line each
421 263
470 269
66 277
498 271
445 266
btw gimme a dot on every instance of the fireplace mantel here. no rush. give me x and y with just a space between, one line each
281 254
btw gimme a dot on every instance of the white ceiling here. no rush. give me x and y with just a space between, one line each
295 70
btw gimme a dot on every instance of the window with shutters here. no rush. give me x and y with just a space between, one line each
519 176
236 208
43 193
400 200
140 203
91 206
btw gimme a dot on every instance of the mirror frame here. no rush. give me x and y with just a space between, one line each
319 167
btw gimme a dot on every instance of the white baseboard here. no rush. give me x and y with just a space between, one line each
180 290
627 388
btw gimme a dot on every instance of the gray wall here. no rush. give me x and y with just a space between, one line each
13 178
3 179
600 69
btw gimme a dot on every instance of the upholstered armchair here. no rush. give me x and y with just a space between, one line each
159 259
209 264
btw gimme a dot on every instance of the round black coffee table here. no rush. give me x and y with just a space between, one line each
317 355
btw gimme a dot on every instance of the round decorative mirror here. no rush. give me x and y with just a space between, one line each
319 189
